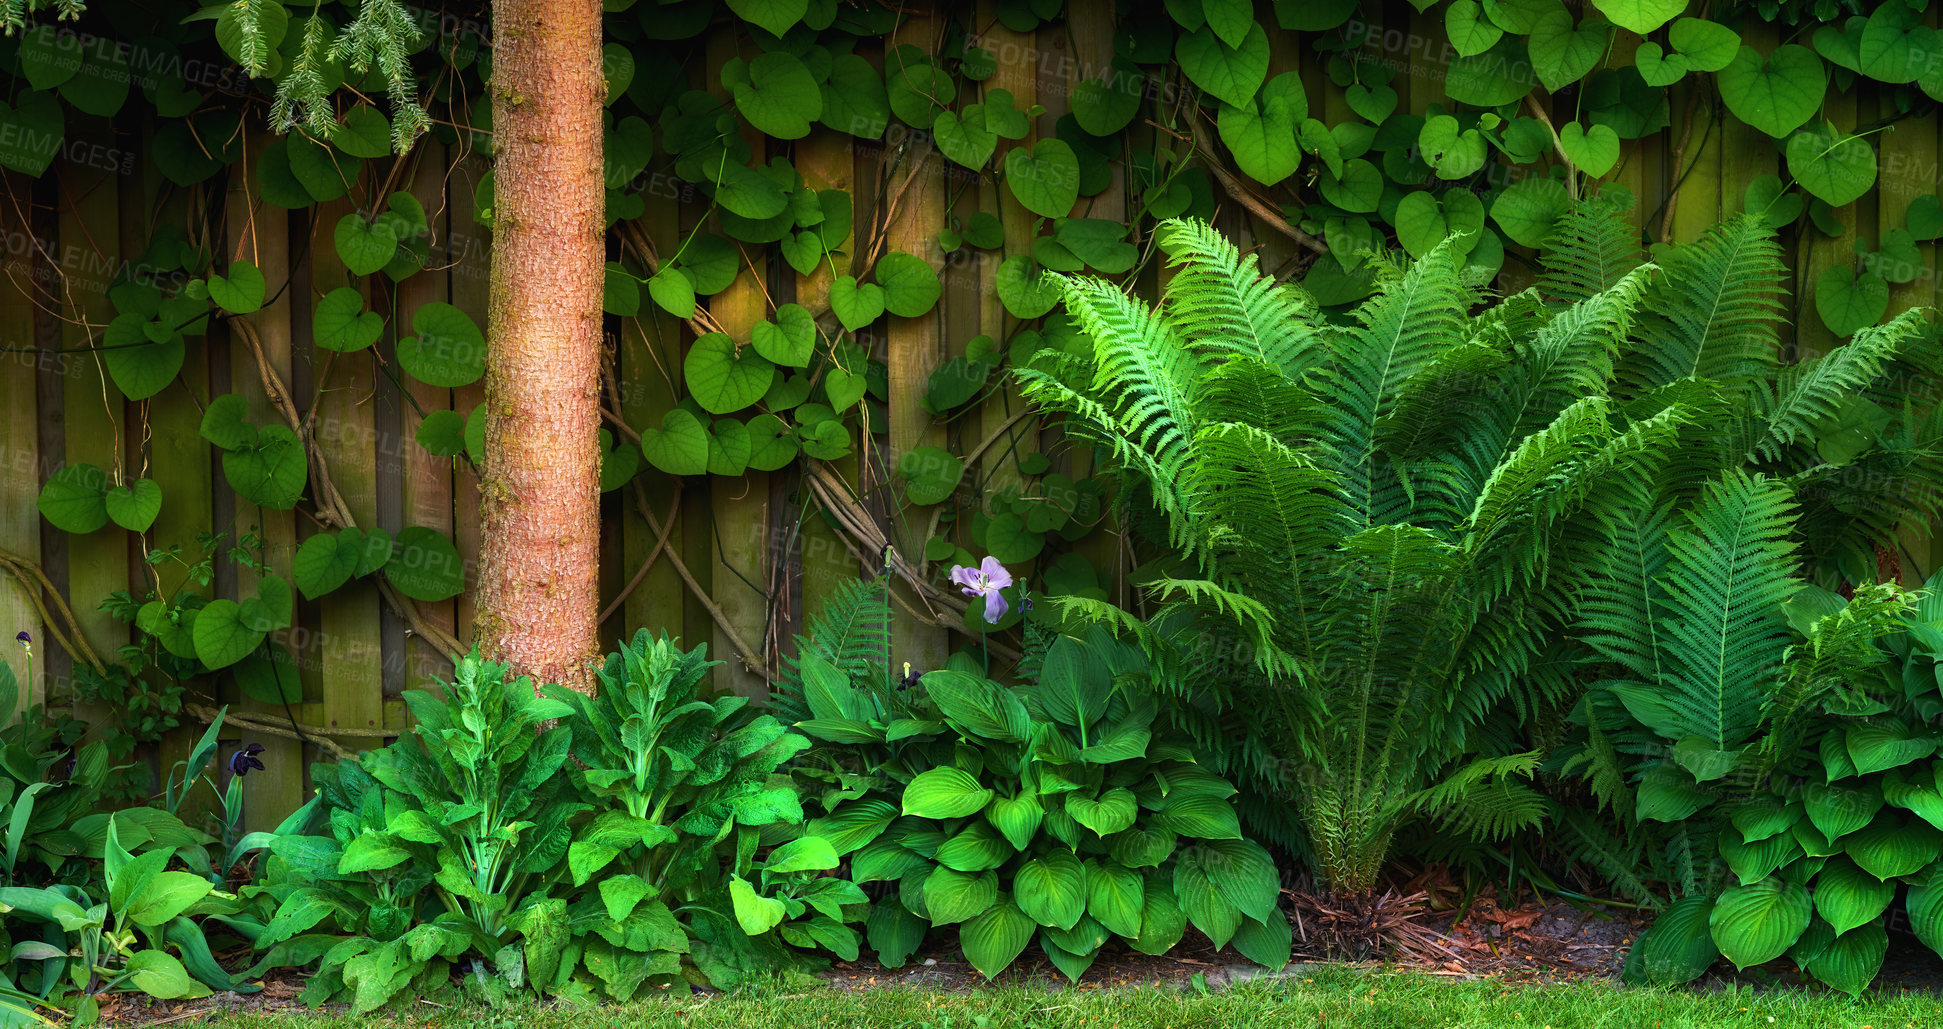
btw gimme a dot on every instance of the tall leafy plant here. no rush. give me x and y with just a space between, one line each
1391 510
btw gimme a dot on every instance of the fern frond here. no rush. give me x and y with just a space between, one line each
1219 299
1613 859
1135 395
1590 249
1839 649
1729 569
852 634
1815 389
1483 799
1716 309
1398 332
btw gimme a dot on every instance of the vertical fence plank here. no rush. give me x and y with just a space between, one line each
427 492
350 626
259 233
93 409
827 160
20 482
741 553
916 344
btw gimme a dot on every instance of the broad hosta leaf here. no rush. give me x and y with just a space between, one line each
1205 817
1051 889
1205 904
1243 872
1846 896
1888 743
978 847
946 792
1267 942
980 707
1925 906
1678 948
954 896
1162 921
1110 813
1849 962
993 939
1755 924
1892 846
1116 896
1018 818
1837 811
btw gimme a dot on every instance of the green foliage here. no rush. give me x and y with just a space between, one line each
1417 521
1049 810
634 864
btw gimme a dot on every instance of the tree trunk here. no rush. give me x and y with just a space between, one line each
538 589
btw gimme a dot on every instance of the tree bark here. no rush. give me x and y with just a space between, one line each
538 589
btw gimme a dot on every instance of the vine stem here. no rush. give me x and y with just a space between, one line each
1256 205
332 508
1558 145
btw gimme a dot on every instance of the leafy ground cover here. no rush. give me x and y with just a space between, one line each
1314 996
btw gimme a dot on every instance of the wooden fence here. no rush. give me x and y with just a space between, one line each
744 557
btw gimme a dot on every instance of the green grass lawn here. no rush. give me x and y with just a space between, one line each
1328 997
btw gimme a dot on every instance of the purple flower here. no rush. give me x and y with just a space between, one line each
243 759
23 639
985 581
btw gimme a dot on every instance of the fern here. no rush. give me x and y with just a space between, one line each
1815 389
1220 300
1728 571
852 633
1716 309
1590 249
1421 520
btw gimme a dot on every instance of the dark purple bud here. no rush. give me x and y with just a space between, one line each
243 759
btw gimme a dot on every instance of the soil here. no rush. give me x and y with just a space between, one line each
1527 942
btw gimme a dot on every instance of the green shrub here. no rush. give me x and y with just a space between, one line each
478 841
1398 512
1050 809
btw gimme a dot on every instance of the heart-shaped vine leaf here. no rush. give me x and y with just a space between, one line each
1044 178
723 378
856 306
790 340
240 292
134 505
425 565
449 349
341 323
1776 94
1593 151
1836 168
911 286
679 446
74 499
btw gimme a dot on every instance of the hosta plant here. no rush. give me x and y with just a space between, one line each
1821 800
1047 811
1394 511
